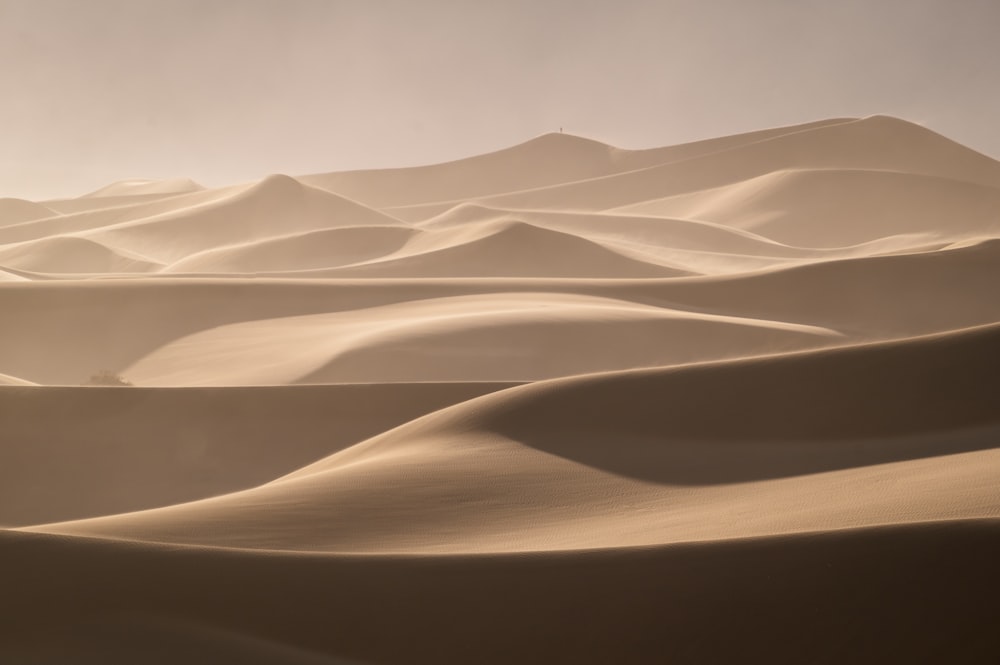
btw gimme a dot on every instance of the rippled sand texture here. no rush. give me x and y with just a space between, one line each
733 401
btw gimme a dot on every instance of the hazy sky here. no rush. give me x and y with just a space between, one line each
226 91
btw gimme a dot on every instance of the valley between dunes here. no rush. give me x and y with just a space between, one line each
732 401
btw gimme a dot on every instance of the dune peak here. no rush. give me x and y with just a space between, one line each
564 138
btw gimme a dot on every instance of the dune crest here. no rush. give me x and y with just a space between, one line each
140 187
722 401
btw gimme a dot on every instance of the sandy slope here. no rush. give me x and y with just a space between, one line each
15 211
809 206
874 143
296 252
493 337
62 332
143 448
544 161
728 401
72 254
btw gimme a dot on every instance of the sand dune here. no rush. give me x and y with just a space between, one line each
726 401
494 337
86 204
62 332
874 143
15 211
140 187
298 252
276 206
809 206
881 296
547 160
145 448
508 249
72 254
643 232
75 215
904 592
162 228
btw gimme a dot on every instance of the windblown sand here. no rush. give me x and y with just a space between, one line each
733 401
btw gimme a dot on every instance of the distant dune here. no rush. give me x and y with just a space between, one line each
142 187
732 401
14 211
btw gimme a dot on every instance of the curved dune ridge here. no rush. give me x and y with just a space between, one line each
808 206
72 254
727 401
495 337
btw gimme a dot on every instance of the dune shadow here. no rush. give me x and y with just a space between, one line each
708 462
795 414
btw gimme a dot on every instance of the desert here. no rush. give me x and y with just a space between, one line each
732 400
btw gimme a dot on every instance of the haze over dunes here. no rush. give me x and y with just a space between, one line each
726 401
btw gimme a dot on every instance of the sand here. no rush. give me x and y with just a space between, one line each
731 401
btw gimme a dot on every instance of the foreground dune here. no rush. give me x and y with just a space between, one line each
728 401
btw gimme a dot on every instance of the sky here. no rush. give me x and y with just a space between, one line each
228 91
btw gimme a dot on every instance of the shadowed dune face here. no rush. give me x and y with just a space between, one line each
800 414
148 448
904 592
564 402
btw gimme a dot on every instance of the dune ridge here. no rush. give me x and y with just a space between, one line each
140 187
726 401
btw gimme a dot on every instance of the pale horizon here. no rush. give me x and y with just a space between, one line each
226 92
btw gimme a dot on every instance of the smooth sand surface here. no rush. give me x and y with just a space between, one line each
732 401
